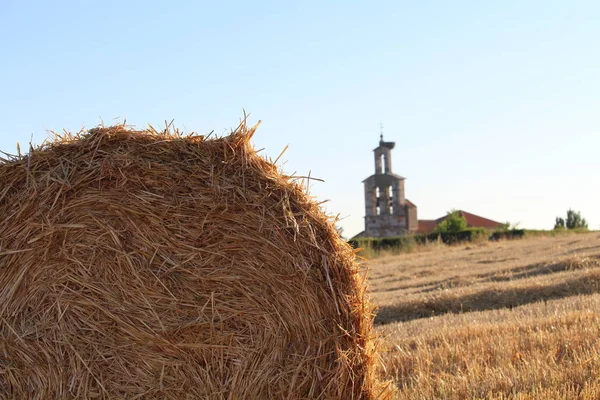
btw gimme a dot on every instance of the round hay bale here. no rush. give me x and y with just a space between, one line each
144 264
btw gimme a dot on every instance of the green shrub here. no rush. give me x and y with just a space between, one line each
397 243
508 234
454 222
401 244
465 235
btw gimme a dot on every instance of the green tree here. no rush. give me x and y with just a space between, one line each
575 220
454 222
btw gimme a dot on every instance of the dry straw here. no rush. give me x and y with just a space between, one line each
145 264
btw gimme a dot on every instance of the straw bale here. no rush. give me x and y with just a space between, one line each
145 264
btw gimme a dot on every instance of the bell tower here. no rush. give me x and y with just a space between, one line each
387 212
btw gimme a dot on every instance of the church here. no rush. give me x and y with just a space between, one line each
387 210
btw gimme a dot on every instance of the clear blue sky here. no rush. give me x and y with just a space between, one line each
494 106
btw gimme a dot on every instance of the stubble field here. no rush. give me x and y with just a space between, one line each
506 320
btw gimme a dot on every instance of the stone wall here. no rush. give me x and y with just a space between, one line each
413 222
385 225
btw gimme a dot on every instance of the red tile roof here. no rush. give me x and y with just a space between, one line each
476 221
473 221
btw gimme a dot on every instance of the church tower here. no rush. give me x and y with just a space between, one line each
387 211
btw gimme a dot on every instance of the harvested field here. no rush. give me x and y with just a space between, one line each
515 319
485 276
144 264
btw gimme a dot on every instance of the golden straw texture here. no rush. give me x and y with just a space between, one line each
145 264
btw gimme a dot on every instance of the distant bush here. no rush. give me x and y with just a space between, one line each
399 243
454 222
465 235
407 243
560 223
373 247
508 234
